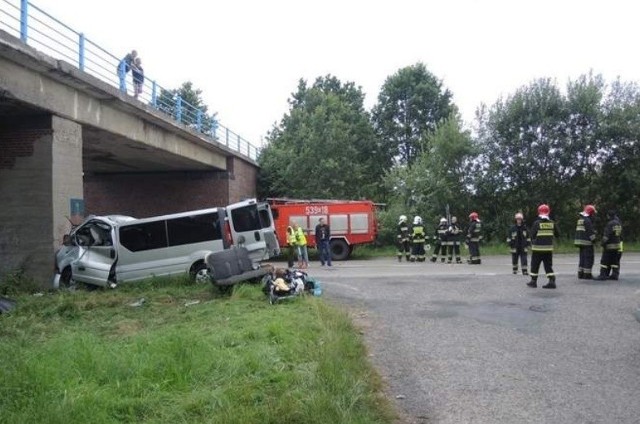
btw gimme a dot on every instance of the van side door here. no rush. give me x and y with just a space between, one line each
246 229
96 253
268 230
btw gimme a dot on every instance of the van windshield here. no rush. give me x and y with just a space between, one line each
246 218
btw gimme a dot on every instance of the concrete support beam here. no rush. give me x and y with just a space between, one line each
36 195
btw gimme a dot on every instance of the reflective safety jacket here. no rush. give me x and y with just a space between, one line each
441 233
454 233
473 232
542 233
301 239
418 235
612 237
403 232
585 234
291 236
518 237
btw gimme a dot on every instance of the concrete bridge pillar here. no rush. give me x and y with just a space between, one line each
40 186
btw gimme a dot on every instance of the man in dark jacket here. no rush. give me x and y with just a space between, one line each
440 240
519 241
611 245
542 233
473 239
454 235
403 238
584 238
323 239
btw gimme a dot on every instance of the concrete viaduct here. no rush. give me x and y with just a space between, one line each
72 145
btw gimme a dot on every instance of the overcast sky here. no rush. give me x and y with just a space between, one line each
248 55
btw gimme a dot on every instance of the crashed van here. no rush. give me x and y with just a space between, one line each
113 249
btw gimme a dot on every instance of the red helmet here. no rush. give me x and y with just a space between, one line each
544 209
473 216
590 210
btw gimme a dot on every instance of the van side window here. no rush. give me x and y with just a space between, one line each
193 229
147 236
245 219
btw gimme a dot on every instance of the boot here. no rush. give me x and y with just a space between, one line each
408 258
604 274
442 260
580 275
587 276
524 271
399 258
551 284
515 270
533 283
433 259
615 272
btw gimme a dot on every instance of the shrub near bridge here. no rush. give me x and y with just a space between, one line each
184 355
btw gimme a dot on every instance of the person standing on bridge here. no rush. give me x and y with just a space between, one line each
138 77
124 67
323 238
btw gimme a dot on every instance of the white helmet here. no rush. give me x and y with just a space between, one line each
443 220
519 216
403 218
417 220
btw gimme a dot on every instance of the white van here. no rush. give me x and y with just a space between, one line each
107 250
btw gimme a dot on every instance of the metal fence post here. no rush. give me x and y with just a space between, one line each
179 109
24 15
154 97
81 52
214 129
227 137
199 120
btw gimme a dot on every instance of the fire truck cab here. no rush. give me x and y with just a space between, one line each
352 222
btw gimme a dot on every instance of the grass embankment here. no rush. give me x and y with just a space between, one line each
92 357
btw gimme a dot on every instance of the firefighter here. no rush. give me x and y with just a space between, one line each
519 241
473 239
454 234
611 245
542 233
584 239
418 239
440 240
403 238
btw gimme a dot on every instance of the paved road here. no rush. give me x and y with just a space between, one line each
473 344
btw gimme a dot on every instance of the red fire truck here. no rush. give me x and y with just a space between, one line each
352 222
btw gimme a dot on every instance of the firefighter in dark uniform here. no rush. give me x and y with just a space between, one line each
519 241
584 239
440 240
418 238
473 239
542 233
403 238
611 245
454 235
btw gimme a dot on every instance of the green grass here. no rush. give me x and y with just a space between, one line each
89 356
370 251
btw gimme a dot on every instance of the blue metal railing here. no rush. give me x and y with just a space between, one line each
45 33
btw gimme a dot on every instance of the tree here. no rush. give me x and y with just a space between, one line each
324 147
191 101
437 178
410 105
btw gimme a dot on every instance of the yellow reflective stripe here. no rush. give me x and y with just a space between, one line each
544 233
542 248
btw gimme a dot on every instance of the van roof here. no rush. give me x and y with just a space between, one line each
173 215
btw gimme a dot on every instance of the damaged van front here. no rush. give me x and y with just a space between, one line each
89 252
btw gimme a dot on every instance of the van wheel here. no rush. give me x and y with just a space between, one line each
66 280
339 250
200 273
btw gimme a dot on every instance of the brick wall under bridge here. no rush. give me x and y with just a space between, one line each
149 194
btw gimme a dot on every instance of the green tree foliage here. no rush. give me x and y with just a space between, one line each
439 176
324 147
410 105
191 99
565 149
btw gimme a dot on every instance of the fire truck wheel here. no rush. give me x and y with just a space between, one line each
339 250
